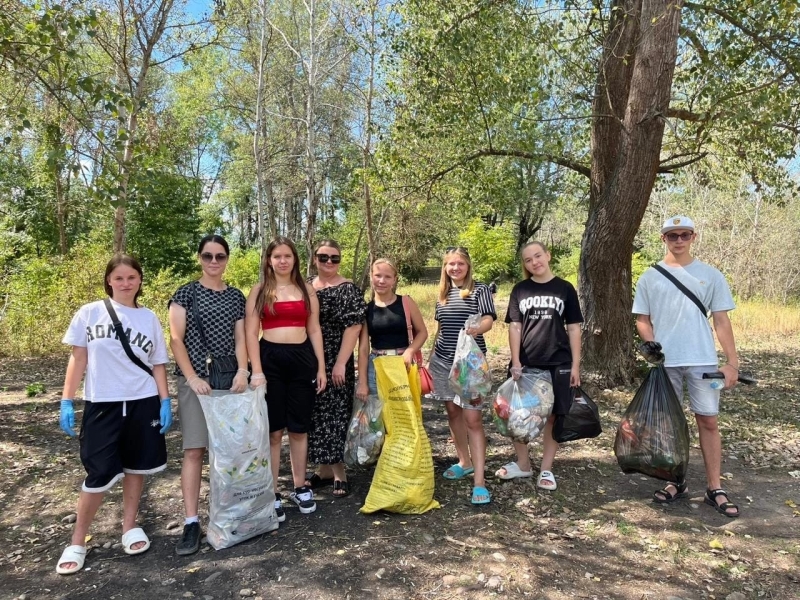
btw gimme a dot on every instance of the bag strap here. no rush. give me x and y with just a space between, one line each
124 339
197 319
410 326
687 292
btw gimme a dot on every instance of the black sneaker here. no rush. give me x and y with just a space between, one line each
190 542
279 508
304 498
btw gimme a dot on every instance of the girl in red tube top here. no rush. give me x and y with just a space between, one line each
284 309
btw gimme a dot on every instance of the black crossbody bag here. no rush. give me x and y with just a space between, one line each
126 345
687 292
221 369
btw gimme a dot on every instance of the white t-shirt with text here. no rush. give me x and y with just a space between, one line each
110 375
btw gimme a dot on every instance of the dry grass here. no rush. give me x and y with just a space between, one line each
755 322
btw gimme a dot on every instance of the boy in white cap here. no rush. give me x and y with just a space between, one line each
667 318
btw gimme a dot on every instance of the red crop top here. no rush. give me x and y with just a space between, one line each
292 313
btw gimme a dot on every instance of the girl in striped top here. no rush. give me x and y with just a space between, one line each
459 298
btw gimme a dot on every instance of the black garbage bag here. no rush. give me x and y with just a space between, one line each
583 420
653 436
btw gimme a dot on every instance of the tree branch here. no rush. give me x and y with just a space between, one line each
667 167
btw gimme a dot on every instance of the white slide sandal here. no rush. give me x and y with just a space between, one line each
511 471
132 537
72 554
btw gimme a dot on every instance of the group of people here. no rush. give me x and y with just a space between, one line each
299 335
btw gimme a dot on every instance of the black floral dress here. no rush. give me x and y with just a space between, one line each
340 307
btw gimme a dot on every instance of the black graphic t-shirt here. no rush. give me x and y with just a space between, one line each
219 311
544 310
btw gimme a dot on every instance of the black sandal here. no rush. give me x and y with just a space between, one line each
680 492
341 486
711 500
314 481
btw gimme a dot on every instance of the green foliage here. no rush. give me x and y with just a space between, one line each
491 250
49 290
163 220
243 268
34 389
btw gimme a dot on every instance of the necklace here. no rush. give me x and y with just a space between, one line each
283 287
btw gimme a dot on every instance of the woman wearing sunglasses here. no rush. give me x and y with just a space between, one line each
221 311
341 312
460 297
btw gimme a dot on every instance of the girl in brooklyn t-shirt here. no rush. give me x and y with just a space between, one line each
544 333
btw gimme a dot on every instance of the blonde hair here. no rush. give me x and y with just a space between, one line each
445 284
525 273
388 263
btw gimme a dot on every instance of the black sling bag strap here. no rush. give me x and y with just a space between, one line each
682 288
126 345
200 329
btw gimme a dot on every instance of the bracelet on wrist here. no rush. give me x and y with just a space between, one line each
732 367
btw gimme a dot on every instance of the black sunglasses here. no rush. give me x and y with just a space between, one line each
207 257
685 236
334 258
460 249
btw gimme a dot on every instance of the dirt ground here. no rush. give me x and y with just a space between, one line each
598 536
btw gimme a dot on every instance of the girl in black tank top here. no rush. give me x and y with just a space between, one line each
386 326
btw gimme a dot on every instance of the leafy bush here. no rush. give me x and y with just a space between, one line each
243 268
43 295
491 250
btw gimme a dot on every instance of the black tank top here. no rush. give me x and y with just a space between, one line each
387 325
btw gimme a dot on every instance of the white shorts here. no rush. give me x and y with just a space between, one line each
703 399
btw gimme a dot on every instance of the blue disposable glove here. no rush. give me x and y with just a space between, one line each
67 417
166 415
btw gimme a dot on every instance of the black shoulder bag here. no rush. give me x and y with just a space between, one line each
221 369
126 345
687 292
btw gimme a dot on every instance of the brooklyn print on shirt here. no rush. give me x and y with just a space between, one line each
544 310
541 302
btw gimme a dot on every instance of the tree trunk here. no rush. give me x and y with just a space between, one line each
631 100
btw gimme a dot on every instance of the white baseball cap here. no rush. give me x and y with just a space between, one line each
678 222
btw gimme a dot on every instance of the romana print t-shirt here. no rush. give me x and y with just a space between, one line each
110 375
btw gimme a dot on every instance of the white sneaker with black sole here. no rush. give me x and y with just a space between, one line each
279 512
304 498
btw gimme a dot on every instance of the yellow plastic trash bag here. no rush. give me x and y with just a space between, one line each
403 481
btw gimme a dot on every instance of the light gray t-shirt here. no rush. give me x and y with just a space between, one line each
683 332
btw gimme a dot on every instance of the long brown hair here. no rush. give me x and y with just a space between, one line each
128 261
525 273
445 285
269 287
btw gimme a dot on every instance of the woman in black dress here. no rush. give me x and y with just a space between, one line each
342 310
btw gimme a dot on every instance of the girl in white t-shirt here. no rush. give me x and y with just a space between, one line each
127 406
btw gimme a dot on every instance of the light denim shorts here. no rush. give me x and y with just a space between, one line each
703 399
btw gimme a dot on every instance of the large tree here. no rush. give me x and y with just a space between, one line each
617 92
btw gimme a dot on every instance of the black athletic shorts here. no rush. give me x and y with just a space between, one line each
291 372
121 437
